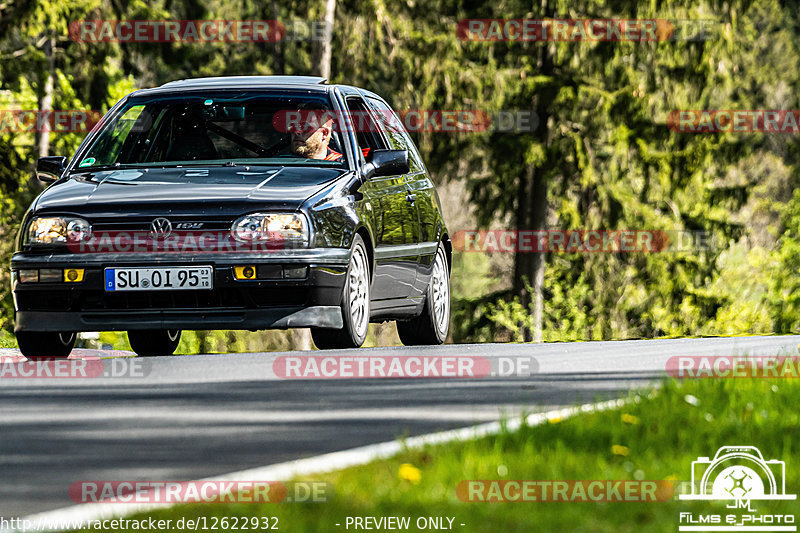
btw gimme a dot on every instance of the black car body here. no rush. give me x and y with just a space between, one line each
384 203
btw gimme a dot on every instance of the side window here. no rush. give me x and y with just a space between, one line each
367 132
398 136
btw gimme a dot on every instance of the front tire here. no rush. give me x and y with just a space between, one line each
45 345
355 304
432 325
155 342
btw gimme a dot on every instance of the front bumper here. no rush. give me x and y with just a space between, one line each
231 304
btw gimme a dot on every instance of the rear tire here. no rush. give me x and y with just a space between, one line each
432 325
355 304
46 344
154 342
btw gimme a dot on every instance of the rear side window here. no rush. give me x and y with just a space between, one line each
397 134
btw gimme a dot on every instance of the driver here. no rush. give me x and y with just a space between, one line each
310 139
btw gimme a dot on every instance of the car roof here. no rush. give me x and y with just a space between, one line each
310 83
239 81
242 82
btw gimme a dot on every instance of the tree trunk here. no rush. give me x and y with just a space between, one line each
278 57
529 267
531 209
325 51
46 99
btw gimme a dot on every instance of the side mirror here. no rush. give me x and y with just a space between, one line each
386 163
50 168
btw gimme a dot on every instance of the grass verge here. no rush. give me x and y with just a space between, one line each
7 339
655 437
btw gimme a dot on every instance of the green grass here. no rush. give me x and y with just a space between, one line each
7 340
662 431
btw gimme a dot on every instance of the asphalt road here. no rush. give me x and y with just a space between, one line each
194 417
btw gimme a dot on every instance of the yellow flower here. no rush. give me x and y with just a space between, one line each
630 419
555 420
620 450
409 472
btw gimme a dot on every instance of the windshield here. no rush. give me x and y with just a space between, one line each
222 127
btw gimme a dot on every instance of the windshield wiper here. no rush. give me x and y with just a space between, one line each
97 168
219 163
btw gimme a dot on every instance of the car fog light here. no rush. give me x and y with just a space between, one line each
244 272
73 275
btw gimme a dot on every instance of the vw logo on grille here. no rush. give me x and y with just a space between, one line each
160 228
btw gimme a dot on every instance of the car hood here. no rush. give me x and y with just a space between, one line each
176 190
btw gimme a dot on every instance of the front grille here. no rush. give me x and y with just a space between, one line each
99 300
142 224
220 298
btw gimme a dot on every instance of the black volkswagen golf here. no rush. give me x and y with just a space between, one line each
255 202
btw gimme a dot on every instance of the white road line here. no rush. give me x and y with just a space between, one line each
68 517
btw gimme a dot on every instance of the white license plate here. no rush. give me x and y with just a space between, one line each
159 279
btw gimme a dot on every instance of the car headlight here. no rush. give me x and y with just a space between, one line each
53 230
288 229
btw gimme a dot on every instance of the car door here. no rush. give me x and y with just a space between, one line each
418 185
395 211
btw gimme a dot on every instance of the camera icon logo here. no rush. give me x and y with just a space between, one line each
738 473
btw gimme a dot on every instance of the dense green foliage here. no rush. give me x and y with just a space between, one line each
602 156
